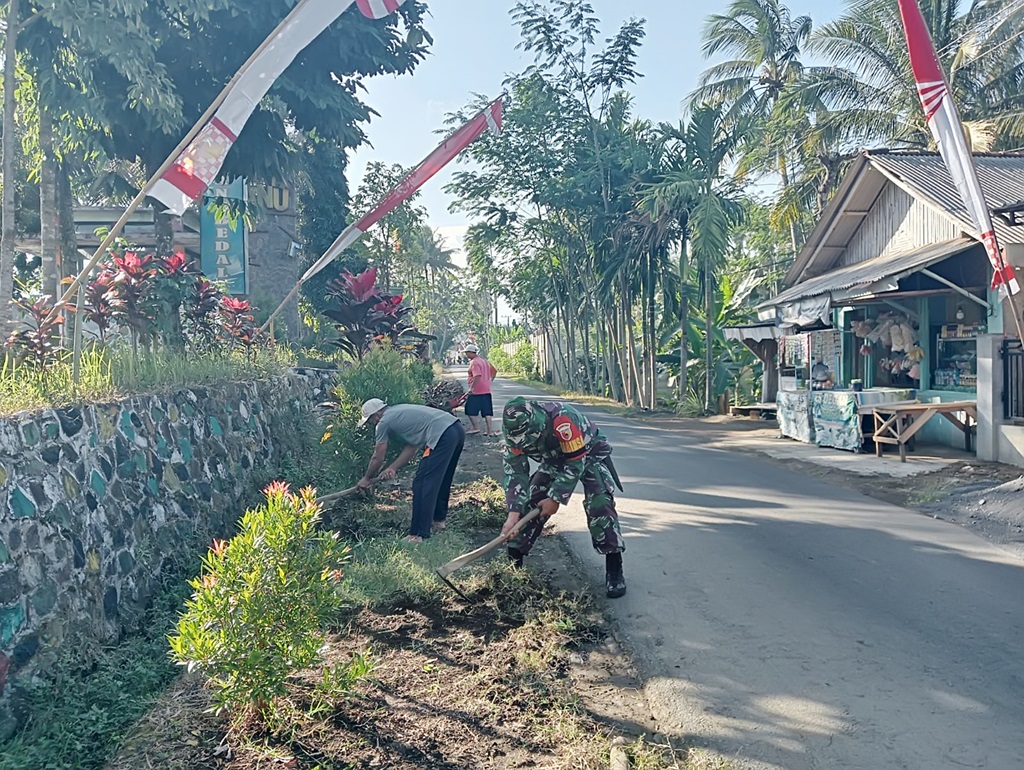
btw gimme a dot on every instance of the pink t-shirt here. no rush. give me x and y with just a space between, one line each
480 369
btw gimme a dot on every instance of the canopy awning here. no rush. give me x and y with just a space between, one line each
811 299
753 332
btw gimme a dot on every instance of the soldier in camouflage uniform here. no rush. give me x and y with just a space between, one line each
569 448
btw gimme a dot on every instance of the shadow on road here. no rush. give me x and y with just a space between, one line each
790 623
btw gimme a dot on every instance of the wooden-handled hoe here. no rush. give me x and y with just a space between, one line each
468 558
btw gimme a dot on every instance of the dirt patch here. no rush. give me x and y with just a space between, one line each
526 674
490 684
987 505
603 675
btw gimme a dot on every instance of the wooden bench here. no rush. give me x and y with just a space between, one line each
754 411
899 423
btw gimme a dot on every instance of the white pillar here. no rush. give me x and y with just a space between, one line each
990 401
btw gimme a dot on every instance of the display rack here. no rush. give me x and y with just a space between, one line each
956 358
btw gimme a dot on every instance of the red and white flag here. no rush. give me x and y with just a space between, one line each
490 118
378 9
944 121
200 163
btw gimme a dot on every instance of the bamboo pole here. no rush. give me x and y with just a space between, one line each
76 358
182 145
333 498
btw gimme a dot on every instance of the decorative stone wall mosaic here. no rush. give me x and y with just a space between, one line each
96 500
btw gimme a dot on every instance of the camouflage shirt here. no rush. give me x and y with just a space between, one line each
563 441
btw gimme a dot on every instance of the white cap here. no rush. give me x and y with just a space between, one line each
370 408
471 348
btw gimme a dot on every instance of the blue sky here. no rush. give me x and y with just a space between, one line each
475 47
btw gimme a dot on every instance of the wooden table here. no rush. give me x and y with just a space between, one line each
899 423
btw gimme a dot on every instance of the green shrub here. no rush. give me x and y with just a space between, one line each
329 466
422 374
262 602
381 374
501 361
523 360
519 364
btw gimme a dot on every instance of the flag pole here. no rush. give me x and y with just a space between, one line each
423 172
182 146
288 298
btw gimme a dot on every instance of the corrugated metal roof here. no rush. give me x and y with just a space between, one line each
1001 177
923 175
863 274
753 332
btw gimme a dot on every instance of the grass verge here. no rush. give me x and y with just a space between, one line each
107 375
585 399
84 703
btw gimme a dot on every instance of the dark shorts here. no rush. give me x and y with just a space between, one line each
479 404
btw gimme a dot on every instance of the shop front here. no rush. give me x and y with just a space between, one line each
888 301
893 330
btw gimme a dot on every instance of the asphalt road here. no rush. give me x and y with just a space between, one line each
787 623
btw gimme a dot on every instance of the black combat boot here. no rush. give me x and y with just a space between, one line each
515 557
614 582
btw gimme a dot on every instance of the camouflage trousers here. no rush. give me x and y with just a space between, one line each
598 503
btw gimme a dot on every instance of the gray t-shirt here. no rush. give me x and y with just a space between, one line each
420 426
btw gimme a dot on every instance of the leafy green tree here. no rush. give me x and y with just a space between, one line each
120 81
324 208
393 239
551 190
711 142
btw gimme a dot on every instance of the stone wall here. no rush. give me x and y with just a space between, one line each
96 501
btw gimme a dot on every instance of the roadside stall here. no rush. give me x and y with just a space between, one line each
812 409
894 276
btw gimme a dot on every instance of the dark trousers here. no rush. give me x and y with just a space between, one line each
432 486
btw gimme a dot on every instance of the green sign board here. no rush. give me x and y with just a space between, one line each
222 242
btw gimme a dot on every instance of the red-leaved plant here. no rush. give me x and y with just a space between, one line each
363 314
237 320
199 309
130 295
174 277
36 343
98 308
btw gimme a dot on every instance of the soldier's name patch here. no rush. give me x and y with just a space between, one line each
570 438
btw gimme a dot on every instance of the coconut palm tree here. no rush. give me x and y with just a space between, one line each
869 87
766 44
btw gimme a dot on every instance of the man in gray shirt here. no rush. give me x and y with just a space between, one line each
439 435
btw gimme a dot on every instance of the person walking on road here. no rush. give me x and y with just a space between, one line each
569 449
479 402
439 436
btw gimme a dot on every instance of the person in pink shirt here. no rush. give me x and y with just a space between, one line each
478 402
